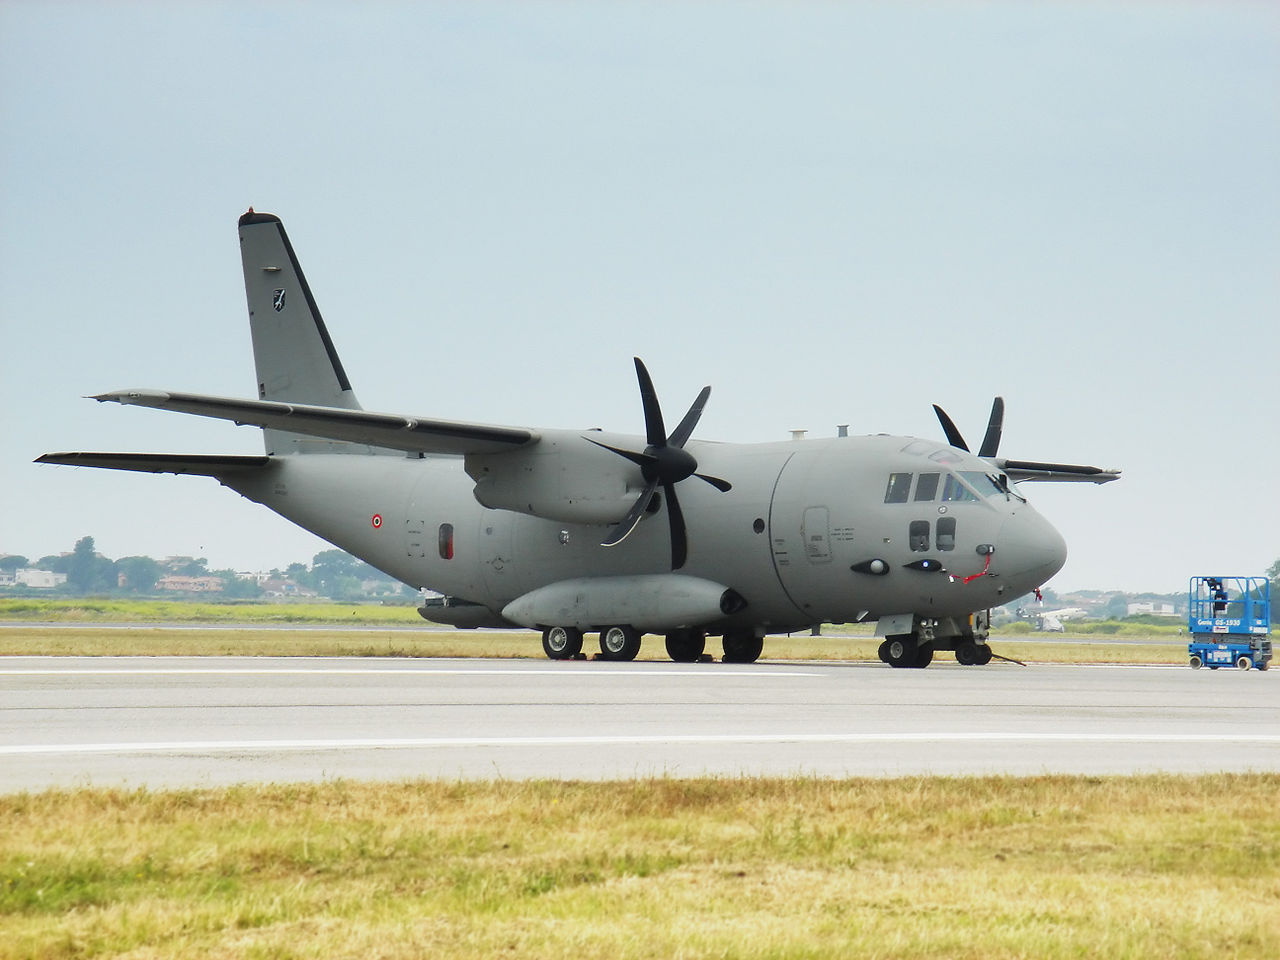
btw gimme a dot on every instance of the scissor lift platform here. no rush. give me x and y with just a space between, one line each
1229 620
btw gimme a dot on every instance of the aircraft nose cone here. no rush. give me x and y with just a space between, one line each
1030 550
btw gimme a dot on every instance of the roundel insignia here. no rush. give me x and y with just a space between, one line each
377 521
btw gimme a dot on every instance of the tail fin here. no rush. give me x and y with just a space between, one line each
295 359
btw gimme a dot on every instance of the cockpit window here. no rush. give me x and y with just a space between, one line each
954 491
984 483
945 457
927 487
898 489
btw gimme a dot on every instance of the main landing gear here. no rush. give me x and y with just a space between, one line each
616 643
622 643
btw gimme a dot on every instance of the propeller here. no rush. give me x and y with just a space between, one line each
663 463
990 441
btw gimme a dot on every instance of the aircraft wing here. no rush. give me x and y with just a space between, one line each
398 432
201 465
1018 470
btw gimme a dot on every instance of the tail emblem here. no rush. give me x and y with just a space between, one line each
277 299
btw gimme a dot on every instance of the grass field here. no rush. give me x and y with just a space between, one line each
119 610
87 639
93 627
973 867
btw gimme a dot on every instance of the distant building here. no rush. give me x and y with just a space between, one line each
33 578
190 584
285 588
1160 608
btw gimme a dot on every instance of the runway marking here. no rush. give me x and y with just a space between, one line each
398 672
400 743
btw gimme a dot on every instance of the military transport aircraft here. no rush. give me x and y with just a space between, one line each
568 531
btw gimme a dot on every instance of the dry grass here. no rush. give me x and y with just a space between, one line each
147 641
119 627
973 867
124 610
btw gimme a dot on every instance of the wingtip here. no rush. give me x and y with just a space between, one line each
143 397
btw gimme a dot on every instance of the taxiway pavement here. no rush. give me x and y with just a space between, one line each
209 721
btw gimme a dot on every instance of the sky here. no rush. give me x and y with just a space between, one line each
832 213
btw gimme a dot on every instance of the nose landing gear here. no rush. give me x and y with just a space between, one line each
905 651
916 649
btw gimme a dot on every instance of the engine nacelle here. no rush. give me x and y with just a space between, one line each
562 477
649 602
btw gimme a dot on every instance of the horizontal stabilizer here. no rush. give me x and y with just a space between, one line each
1019 470
391 430
195 464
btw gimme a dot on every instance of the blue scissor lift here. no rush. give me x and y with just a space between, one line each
1229 620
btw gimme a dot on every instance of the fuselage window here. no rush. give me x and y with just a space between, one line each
899 488
446 541
918 535
926 487
955 491
946 533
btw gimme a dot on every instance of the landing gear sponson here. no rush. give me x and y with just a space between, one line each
622 643
915 649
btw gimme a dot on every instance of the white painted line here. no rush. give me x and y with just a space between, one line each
400 743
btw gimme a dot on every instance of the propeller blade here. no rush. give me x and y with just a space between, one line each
679 538
664 462
640 459
682 432
632 519
724 486
655 430
949 428
991 442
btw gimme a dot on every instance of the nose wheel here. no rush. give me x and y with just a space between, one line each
902 651
973 654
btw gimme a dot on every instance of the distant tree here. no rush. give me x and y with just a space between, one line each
87 572
337 574
299 574
140 573
13 562
56 562
191 568
1117 607
237 588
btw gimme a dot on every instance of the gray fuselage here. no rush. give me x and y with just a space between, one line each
949 536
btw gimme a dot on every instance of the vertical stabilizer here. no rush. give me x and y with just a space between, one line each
295 359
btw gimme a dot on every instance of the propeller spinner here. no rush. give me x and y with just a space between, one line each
663 463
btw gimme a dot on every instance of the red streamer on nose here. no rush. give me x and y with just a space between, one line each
985 567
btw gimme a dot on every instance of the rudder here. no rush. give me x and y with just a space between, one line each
294 357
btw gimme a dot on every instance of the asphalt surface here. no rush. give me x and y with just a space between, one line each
208 721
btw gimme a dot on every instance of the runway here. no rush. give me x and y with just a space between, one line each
209 721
